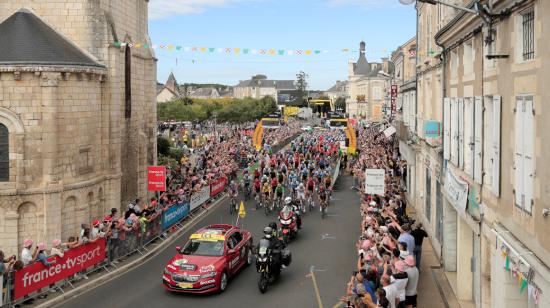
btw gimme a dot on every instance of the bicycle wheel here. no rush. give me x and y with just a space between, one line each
266 208
323 211
231 207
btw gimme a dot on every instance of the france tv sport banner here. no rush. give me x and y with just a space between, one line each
198 198
174 214
156 178
218 186
374 181
36 276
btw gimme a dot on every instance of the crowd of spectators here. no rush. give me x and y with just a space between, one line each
216 155
387 270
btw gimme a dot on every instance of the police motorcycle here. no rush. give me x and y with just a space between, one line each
290 220
271 255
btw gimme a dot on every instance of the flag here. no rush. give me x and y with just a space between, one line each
308 52
412 53
211 49
281 52
242 211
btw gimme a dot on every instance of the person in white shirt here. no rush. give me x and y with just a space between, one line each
27 257
391 292
412 282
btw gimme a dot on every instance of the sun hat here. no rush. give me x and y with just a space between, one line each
27 243
56 242
41 246
95 223
400 266
366 245
409 260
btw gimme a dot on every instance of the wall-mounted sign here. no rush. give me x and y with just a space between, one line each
432 129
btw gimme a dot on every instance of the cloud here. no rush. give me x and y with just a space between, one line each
365 3
159 9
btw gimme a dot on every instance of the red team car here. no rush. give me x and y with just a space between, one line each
212 255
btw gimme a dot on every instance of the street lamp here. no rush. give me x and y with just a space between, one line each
477 11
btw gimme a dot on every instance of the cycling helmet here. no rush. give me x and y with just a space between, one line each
288 200
268 232
232 182
301 185
372 203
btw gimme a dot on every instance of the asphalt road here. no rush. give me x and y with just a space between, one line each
327 245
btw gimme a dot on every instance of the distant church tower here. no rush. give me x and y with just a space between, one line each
83 132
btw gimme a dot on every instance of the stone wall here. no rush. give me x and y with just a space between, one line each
73 154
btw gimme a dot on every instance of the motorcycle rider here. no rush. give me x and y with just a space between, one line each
273 226
294 207
275 246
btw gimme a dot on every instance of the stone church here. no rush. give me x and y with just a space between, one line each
77 114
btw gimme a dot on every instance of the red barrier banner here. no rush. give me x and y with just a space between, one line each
156 178
218 186
36 276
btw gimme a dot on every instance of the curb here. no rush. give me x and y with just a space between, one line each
81 289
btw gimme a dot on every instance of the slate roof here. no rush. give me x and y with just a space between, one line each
266 83
27 40
362 67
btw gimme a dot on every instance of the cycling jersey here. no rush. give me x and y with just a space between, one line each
266 189
274 182
279 190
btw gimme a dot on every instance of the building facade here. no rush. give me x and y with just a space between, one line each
77 115
367 86
259 87
478 148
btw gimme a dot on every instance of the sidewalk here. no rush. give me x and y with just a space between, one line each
433 288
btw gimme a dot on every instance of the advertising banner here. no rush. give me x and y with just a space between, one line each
374 182
174 214
218 186
36 276
156 178
198 198
457 191
393 99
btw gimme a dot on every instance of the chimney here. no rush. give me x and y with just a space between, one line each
385 65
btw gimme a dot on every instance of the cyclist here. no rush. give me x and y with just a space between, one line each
301 190
279 192
246 181
323 196
274 183
310 187
257 185
266 192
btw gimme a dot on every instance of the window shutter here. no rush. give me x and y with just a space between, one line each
461 132
412 115
469 135
447 128
496 146
454 131
528 139
518 161
478 139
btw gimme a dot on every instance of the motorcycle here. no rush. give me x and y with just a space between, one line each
265 264
289 226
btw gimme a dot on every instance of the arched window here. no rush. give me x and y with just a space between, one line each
4 154
127 83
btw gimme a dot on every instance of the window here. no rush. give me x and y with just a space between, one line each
528 35
490 49
468 58
85 163
454 64
491 145
377 93
127 83
523 158
4 154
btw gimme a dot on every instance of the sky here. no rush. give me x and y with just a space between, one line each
329 26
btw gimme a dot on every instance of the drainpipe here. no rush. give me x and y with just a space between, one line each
443 95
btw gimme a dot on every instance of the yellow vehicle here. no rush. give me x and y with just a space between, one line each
322 106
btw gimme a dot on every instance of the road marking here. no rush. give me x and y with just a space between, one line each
327 237
337 305
315 287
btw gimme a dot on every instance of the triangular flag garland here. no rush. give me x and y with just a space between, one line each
263 51
524 279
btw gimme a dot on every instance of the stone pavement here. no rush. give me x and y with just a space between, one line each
433 287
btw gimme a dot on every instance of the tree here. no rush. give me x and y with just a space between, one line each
163 146
301 81
340 103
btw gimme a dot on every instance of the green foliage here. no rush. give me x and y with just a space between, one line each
175 153
163 146
226 110
167 161
340 103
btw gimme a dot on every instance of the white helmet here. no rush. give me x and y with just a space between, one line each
372 203
288 200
